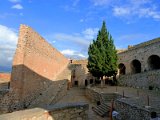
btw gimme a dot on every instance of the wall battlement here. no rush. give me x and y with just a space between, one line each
141 45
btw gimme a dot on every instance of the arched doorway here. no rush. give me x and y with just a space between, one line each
86 82
91 81
154 62
76 82
135 66
122 69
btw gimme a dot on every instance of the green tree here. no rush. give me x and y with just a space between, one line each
102 60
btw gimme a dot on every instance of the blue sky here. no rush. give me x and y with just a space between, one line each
71 25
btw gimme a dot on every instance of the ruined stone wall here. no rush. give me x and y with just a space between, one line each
146 76
142 80
35 67
141 53
93 95
78 111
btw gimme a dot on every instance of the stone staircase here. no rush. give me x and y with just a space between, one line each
47 96
102 109
105 99
54 92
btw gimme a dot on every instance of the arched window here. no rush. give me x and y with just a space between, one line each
122 69
154 62
135 66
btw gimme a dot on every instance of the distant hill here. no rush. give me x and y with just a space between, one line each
5 69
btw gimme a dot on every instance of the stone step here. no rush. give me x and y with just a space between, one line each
102 109
100 113
106 104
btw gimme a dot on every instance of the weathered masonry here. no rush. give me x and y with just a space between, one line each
139 66
37 76
80 75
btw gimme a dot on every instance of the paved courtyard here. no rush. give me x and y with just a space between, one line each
78 95
138 95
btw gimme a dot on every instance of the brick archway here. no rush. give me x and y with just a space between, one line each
154 62
122 69
135 66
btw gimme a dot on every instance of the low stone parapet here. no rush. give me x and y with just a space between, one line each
145 80
93 95
75 111
131 111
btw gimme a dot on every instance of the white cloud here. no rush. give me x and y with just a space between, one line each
8 40
68 52
21 14
72 54
15 1
81 20
53 41
130 9
137 8
133 37
78 42
81 39
17 6
101 2
7 35
139 2
120 11
90 33
71 38
75 3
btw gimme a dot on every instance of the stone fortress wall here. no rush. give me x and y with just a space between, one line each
36 65
139 65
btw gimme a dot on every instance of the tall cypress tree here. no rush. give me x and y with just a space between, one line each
102 60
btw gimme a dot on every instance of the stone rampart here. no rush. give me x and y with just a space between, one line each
139 65
142 80
75 111
36 65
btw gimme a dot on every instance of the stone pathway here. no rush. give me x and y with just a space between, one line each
137 96
78 95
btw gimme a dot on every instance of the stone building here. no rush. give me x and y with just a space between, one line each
139 66
80 75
